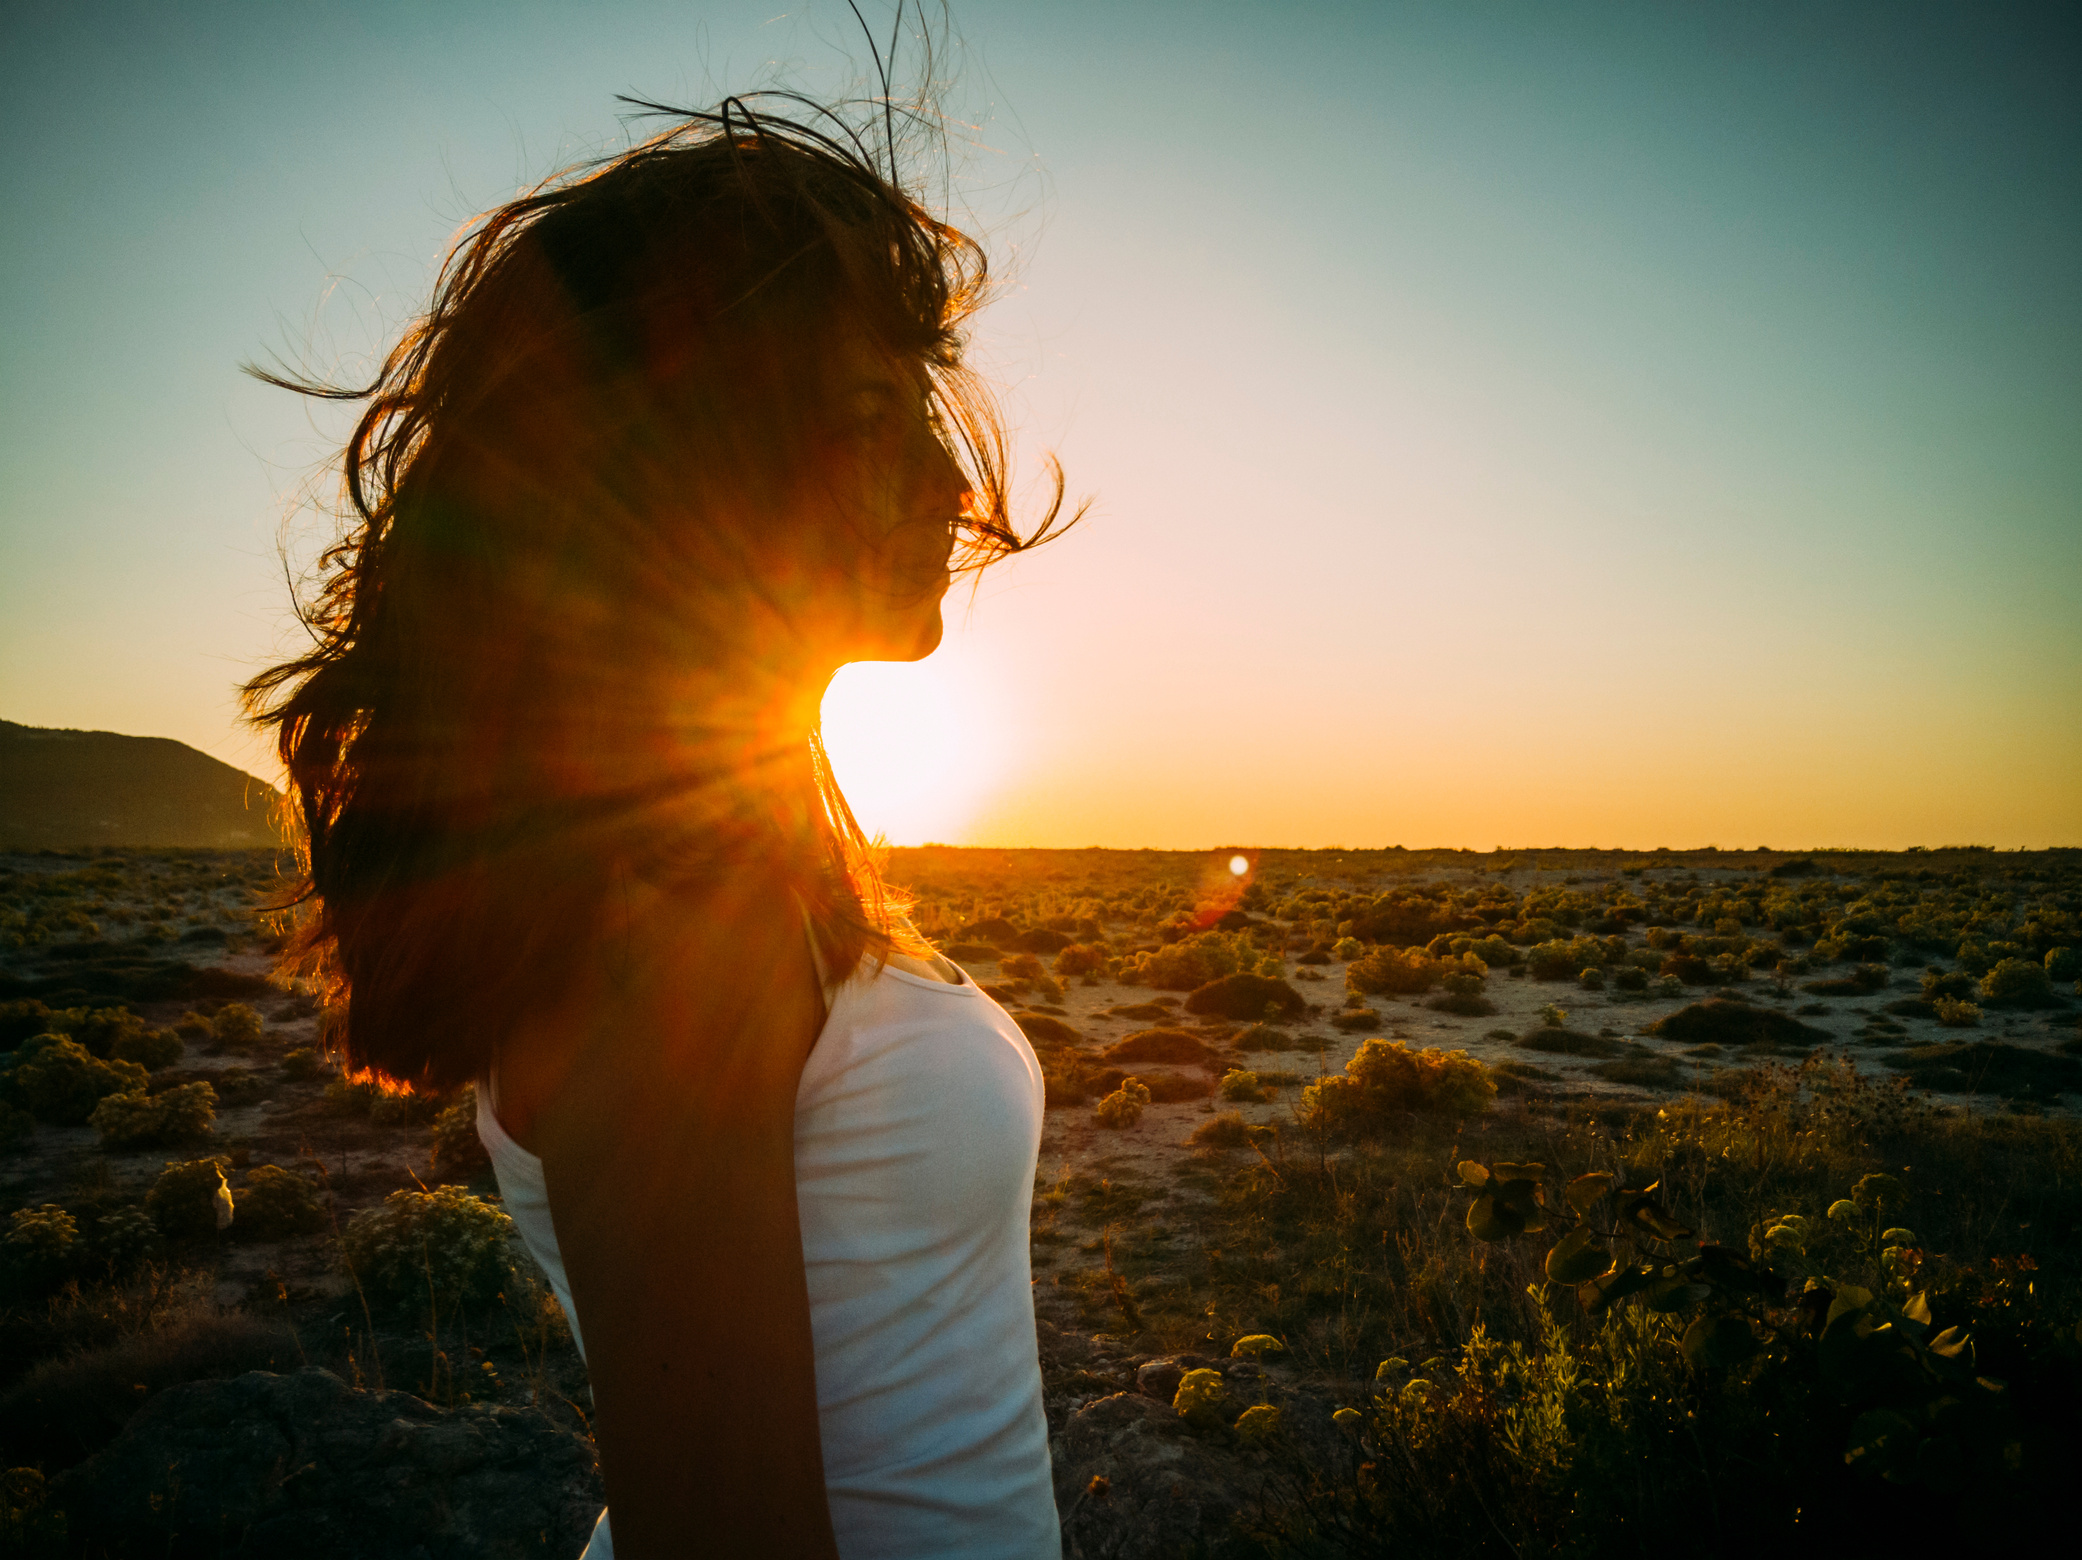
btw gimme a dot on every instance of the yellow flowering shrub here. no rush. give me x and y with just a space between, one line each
445 1247
1125 1105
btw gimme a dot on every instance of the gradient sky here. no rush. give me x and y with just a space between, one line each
1510 424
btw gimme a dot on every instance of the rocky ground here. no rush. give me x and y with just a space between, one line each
320 1454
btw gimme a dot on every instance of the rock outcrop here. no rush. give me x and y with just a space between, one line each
1134 1480
304 1465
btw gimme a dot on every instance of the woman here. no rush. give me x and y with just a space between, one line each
674 441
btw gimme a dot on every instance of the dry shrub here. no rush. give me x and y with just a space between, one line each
1142 1010
1570 1042
1045 1029
1079 959
1226 1131
64 1409
1159 1045
1246 996
1170 1088
1265 1037
1722 1022
1387 1078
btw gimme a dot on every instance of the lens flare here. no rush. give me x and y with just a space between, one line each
1239 865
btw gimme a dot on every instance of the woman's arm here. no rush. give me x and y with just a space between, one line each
669 1150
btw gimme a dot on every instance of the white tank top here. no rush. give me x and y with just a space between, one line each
917 1129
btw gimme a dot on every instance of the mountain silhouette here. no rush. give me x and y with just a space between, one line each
60 789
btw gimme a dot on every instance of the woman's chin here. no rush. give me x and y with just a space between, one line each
911 642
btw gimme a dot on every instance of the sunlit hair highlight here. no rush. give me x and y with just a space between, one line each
566 472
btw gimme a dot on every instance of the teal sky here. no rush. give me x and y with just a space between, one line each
1539 424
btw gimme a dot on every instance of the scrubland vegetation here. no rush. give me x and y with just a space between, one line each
1593 1202
1731 1278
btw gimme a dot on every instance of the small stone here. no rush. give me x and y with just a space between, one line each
1159 1379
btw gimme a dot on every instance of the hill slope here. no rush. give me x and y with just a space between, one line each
69 788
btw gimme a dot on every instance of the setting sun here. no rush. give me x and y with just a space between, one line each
916 746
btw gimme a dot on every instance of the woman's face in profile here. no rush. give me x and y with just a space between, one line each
890 499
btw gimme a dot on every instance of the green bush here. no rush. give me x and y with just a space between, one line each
125 1238
151 1049
1591 979
190 1198
1955 1014
1200 1398
1404 972
1552 961
1387 1078
2063 964
1953 983
1630 977
2017 983
1347 949
58 1082
275 1203
236 1027
135 1119
237 1086
1124 1106
1239 1086
1079 959
98 1029
1494 952
303 1063
457 1148
445 1247
1174 967
40 1247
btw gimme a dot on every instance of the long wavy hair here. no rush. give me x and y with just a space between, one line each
569 469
